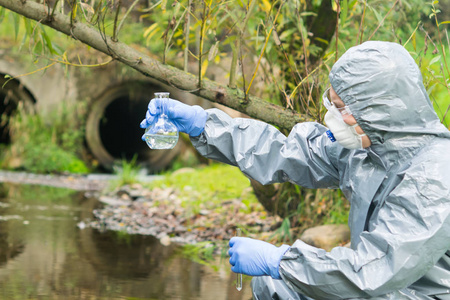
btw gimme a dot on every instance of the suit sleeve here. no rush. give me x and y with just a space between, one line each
263 153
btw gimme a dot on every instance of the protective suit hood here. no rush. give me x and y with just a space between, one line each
383 87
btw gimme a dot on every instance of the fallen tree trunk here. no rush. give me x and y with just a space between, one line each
209 90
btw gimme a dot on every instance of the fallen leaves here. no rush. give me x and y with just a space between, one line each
161 213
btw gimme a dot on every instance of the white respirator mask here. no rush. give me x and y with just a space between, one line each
344 134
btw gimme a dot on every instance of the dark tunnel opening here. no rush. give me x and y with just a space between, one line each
113 132
5 110
119 128
12 92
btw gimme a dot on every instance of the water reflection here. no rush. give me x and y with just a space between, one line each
44 255
10 246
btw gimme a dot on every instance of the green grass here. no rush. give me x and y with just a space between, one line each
127 173
207 187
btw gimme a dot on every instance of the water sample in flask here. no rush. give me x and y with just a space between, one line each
162 134
239 275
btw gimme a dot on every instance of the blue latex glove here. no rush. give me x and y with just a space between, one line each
187 118
254 257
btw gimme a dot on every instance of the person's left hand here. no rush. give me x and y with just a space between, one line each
190 119
254 257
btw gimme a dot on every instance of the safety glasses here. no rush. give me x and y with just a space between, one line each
341 112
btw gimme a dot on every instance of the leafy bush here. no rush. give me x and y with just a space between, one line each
51 158
46 144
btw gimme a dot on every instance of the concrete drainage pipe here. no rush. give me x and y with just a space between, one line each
12 93
112 128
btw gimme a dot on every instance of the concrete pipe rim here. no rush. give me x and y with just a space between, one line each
158 159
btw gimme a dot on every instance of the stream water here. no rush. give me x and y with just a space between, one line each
45 255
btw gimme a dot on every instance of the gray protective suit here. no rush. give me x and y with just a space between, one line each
399 188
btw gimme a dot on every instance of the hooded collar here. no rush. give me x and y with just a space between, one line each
383 86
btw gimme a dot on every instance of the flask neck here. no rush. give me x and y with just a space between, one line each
162 118
164 107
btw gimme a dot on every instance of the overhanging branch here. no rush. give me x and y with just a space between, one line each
212 91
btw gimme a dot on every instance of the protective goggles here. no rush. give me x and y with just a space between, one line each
340 112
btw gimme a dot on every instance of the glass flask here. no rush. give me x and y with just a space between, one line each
162 134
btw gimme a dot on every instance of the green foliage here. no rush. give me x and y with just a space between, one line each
209 186
286 56
302 208
284 231
422 29
50 158
285 48
46 144
127 173
34 37
212 182
338 210
435 64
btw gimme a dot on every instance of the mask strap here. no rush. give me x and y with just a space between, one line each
362 134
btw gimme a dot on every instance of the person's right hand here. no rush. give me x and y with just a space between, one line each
187 118
254 257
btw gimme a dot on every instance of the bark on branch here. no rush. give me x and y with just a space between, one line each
212 91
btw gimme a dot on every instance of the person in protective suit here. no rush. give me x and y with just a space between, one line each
391 160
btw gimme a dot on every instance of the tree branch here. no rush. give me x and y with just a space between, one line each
212 91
